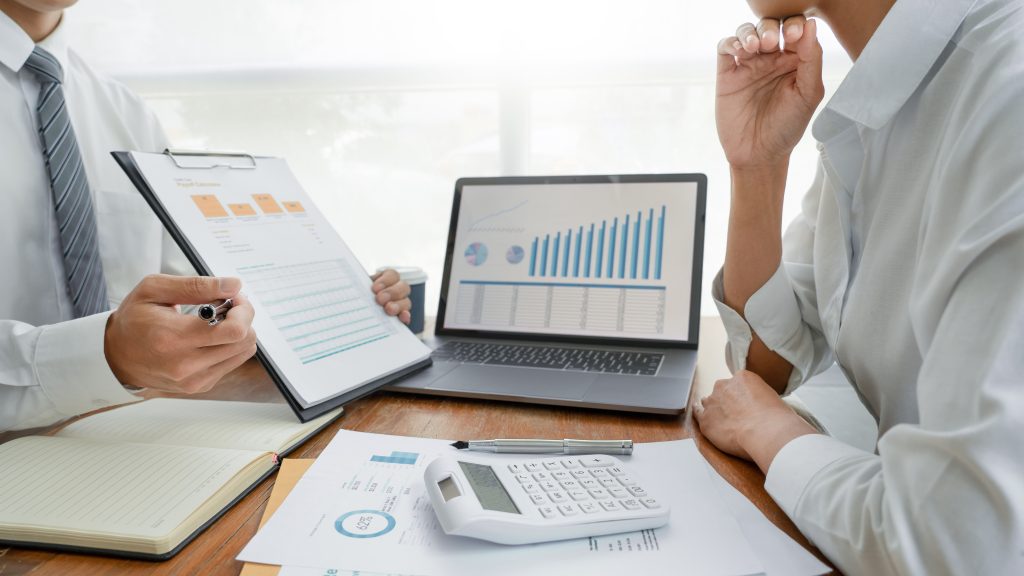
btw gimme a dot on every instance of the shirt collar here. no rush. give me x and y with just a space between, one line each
895 61
16 45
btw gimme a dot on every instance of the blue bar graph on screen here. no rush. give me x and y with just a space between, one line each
544 255
533 257
622 258
590 245
611 248
633 249
636 248
646 245
565 254
554 254
661 240
576 254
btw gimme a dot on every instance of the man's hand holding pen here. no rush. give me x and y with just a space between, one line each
150 344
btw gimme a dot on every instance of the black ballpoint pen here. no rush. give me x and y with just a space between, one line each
214 313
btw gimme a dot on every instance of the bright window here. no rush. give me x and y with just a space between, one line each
380 106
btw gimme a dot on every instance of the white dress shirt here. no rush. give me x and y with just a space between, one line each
906 267
53 367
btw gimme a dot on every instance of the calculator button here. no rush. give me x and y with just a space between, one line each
610 483
530 487
589 507
540 476
538 499
599 493
616 471
630 504
637 491
515 468
589 483
570 463
558 497
568 509
600 473
560 476
650 502
549 486
523 478
581 474
570 485
619 493
610 505
533 467
578 495
547 511
552 464
627 480
596 461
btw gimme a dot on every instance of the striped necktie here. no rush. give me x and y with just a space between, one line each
72 200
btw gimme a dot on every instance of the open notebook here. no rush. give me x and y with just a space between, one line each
141 480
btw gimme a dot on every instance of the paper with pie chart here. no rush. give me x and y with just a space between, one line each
315 313
363 506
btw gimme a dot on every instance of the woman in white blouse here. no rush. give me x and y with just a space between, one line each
905 267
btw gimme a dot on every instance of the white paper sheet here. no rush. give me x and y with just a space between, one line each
701 538
780 554
315 313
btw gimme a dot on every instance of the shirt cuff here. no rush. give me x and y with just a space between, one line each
796 465
736 328
72 368
773 312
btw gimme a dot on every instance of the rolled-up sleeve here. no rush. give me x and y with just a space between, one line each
49 373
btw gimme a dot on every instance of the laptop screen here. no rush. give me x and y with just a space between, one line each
595 257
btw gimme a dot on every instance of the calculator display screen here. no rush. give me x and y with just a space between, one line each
488 488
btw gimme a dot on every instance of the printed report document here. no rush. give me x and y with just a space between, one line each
322 336
141 480
378 479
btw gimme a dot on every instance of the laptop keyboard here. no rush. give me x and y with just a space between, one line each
577 359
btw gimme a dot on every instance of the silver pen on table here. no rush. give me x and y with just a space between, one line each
214 312
567 446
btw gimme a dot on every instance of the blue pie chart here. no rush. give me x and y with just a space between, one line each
515 254
476 254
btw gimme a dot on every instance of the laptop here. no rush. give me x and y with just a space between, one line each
571 290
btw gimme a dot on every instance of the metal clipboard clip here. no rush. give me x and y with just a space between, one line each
175 155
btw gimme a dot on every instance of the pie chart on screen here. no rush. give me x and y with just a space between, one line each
515 254
476 254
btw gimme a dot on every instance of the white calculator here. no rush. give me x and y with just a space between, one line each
528 501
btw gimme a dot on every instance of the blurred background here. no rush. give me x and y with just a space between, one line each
380 106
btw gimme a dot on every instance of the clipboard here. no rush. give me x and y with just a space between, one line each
224 163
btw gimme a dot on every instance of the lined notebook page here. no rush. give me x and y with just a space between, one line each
100 487
186 422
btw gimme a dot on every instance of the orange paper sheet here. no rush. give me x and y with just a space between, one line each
287 477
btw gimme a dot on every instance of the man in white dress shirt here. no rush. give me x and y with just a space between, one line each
77 240
906 267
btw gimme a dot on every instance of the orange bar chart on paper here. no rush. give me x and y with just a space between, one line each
210 206
267 203
293 206
242 209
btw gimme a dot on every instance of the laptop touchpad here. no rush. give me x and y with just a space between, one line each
533 382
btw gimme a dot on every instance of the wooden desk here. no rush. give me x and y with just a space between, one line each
214 551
